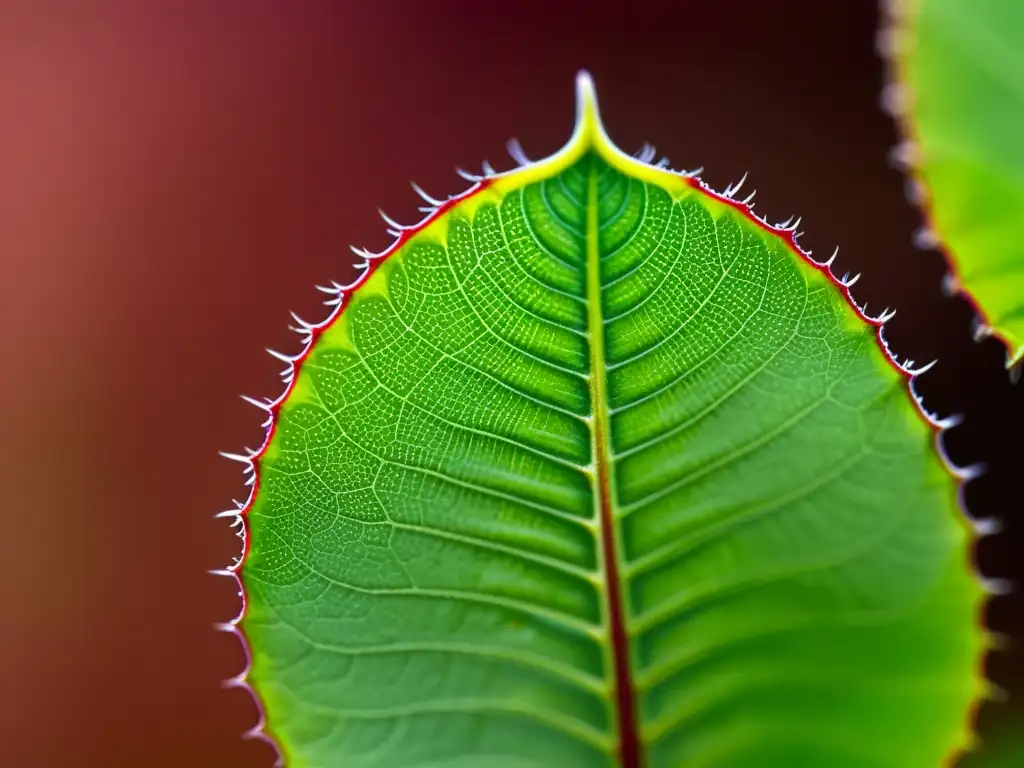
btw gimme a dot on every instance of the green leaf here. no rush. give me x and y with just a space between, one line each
591 468
958 69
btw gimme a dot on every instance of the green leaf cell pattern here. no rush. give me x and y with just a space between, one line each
592 369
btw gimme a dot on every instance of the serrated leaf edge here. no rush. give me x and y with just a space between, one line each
893 46
588 133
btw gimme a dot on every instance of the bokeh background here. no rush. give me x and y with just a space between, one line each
176 176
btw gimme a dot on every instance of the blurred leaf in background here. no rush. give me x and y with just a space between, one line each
958 91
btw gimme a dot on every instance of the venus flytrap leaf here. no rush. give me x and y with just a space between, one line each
594 467
957 87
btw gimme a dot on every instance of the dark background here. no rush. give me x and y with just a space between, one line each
175 176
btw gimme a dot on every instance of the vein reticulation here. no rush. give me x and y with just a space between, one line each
425 582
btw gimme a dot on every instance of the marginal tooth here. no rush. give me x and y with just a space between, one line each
986 526
999 641
732 189
389 221
419 191
894 99
282 357
263 405
950 284
646 153
888 42
996 586
236 457
979 331
488 169
238 681
925 238
953 420
257 733
302 323
1015 368
995 692
971 471
515 151
914 191
904 155
924 368
471 177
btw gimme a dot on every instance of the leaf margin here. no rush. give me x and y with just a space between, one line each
894 47
589 135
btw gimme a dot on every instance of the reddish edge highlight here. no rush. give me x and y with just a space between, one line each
896 24
262 729
629 741
894 47
938 426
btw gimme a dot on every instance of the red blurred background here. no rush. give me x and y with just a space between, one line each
174 177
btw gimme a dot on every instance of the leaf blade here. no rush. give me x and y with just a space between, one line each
431 544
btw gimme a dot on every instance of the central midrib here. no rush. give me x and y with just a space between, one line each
629 748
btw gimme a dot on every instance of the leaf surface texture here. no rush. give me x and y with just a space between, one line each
594 436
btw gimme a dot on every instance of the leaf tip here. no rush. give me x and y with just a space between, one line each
588 114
